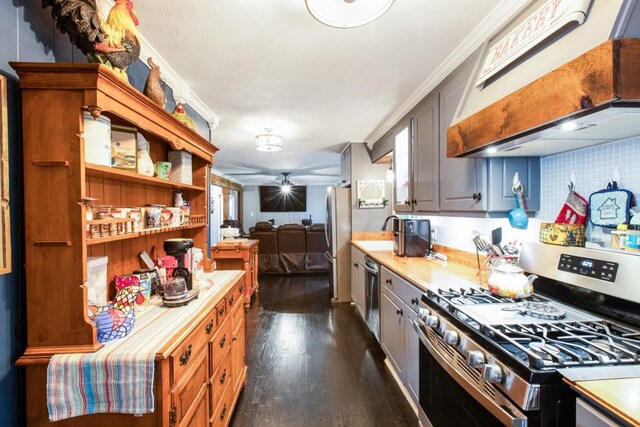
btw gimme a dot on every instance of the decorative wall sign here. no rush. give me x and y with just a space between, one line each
371 194
548 19
5 235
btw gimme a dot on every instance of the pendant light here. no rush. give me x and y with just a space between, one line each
347 13
268 141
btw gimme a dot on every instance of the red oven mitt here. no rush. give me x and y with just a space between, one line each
574 211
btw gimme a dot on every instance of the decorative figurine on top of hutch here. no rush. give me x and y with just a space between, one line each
113 43
153 87
181 115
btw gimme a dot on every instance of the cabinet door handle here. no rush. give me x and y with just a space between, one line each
388 281
407 202
223 340
223 377
355 264
414 300
209 327
186 355
234 339
399 312
414 201
477 196
224 412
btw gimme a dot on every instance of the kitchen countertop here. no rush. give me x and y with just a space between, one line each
427 274
619 396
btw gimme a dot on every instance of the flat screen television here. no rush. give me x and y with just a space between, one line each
272 199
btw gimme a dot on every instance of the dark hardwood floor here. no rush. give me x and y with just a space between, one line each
314 364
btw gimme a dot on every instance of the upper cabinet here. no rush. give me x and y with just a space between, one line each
402 183
426 180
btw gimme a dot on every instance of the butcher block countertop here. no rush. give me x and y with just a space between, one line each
620 396
422 272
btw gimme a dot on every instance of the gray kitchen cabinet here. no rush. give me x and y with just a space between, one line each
358 280
398 308
403 167
411 353
425 149
461 180
392 329
345 167
500 196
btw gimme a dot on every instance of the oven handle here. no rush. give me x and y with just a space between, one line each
498 411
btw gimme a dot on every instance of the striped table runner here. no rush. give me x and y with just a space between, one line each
119 377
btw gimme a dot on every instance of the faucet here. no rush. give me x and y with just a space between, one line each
384 226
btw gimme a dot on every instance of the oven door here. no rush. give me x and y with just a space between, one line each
447 398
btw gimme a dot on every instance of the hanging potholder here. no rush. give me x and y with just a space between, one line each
610 207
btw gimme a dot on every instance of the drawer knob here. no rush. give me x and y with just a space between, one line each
241 289
223 340
231 300
224 412
355 264
209 327
186 355
399 312
220 311
414 300
388 281
223 377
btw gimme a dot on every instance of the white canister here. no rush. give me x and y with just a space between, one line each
197 261
97 140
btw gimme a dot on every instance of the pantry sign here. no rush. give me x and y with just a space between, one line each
552 16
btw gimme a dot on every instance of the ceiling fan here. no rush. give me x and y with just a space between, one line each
312 171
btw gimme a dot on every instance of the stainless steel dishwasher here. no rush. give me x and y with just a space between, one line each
372 295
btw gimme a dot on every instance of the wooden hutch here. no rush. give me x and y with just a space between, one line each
56 177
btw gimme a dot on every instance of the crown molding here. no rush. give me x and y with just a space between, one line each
181 90
499 16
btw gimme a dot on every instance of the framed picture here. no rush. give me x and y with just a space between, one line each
5 234
371 194
124 148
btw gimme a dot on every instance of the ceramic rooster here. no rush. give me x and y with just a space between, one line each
113 43
116 320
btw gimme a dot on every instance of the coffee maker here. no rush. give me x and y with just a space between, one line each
178 248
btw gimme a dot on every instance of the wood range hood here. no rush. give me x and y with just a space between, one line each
590 100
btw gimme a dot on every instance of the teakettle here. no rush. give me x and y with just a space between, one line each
507 280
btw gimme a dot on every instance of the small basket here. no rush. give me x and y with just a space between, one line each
562 234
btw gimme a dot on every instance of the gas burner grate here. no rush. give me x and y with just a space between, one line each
474 295
541 310
553 345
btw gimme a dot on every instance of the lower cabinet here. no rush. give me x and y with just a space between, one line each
358 280
399 340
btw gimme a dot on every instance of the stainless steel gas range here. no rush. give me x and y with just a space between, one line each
487 360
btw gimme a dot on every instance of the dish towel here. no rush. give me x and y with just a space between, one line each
81 384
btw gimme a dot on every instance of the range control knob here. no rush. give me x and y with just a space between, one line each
432 321
475 359
451 337
423 314
492 373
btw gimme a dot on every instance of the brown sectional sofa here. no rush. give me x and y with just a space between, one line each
290 248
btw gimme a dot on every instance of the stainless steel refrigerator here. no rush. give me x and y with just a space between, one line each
338 233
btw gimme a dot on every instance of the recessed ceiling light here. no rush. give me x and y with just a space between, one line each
491 150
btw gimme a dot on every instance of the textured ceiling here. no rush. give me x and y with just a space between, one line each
269 64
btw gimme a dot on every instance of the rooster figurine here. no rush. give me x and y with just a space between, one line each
116 320
113 43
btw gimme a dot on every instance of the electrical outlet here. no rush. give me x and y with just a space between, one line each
434 235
